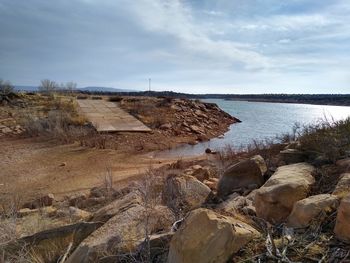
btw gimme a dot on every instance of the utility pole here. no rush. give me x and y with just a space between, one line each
149 85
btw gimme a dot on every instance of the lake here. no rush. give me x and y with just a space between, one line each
260 120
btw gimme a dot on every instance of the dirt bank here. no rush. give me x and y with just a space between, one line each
31 166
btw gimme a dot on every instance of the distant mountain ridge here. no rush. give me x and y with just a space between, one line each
89 88
105 89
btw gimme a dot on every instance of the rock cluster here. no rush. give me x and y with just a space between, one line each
275 199
192 222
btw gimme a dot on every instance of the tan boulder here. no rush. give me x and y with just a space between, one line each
208 237
183 193
212 183
242 175
342 225
237 203
274 201
115 207
343 186
122 233
201 173
312 208
79 214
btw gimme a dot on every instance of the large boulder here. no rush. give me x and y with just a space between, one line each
246 174
208 237
183 193
312 208
123 233
274 201
343 186
342 225
115 207
50 245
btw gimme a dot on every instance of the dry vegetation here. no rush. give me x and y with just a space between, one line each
56 117
173 121
324 143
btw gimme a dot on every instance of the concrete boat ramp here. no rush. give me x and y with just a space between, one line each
106 116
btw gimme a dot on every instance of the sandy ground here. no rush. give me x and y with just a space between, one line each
29 167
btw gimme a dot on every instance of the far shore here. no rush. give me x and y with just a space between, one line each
294 102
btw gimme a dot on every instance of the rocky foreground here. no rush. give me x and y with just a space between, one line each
194 212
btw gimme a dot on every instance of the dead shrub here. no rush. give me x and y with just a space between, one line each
157 121
327 138
115 98
58 119
82 97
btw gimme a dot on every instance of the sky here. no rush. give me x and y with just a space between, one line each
192 46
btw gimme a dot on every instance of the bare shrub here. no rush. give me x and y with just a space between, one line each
61 122
158 120
8 227
6 88
70 86
108 182
48 86
150 188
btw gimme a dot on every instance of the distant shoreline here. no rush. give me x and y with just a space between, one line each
294 102
313 99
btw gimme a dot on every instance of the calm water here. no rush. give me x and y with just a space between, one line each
260 120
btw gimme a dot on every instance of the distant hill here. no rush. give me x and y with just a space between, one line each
26 88
90 89
104 89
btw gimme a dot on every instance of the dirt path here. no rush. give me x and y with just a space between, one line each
29 168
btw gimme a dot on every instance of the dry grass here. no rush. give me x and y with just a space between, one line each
327 138
281 244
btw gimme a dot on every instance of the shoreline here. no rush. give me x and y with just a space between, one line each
287 102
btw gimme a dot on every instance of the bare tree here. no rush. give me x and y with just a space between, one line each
71 86
48 86
6 87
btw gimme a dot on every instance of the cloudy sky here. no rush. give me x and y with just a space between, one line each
198 46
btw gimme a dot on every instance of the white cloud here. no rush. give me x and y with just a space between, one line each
174 18
197 46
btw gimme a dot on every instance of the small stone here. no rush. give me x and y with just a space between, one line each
166 126
6 130
46 200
